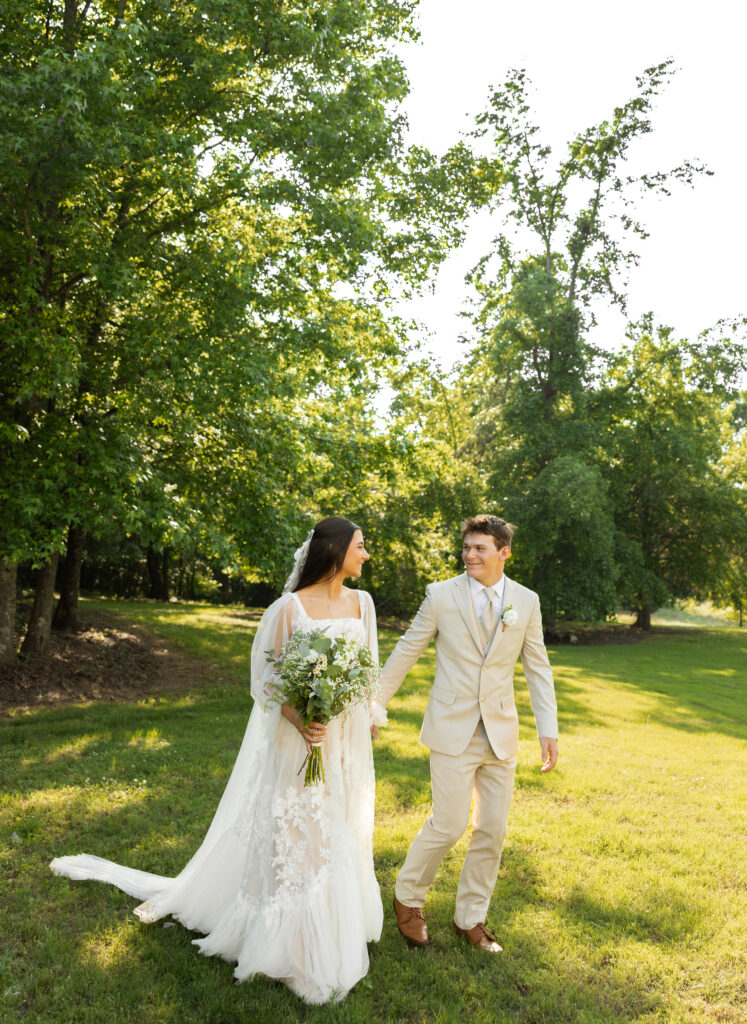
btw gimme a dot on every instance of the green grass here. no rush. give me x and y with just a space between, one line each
620 896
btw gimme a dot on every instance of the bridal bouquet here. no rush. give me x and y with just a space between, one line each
321 677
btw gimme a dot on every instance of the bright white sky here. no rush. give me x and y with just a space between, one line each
583 57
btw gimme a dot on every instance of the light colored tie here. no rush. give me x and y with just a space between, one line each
489 617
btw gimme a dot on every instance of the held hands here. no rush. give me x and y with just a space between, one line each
549 749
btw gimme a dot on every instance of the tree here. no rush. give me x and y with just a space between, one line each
677 513
536 436
729 586
186 188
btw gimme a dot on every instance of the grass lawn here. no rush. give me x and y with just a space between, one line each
621 895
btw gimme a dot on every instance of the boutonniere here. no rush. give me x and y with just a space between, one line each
509 617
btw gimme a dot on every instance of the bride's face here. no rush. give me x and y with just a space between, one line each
355 556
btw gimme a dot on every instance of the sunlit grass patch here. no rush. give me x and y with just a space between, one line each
150 739
73 748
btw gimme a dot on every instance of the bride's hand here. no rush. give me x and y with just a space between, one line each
374 732
314 732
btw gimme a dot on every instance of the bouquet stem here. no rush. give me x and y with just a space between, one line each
314 766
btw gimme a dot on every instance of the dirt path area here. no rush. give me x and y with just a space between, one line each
109 660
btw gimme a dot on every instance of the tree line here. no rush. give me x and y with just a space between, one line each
207 215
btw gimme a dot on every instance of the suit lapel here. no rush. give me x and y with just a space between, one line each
507 600
463 600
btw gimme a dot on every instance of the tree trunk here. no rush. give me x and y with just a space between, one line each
39 632
158 570
154 572
8 574
165 573
66 613
643 619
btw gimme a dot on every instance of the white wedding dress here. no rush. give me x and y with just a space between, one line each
283 883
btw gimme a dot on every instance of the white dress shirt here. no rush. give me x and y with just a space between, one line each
480 597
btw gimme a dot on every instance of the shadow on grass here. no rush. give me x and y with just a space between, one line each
48 748
408 779
664 917
695 683
532 981
561 961
667 919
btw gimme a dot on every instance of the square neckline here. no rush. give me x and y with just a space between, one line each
339 618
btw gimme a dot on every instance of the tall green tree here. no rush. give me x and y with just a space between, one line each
537 438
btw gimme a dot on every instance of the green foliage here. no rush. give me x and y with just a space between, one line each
729 585
598 521
186 189
206 212
424 486
566 539
538 443
572 211
679 513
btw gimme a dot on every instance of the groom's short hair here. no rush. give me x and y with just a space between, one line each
501 531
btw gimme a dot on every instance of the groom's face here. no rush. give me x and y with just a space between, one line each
482 559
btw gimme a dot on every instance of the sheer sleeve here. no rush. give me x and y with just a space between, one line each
378 711
275 627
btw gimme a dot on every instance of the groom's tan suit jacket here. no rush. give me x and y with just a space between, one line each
474 678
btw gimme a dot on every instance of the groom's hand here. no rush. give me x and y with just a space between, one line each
549 749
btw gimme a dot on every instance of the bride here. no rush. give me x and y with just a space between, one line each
284 882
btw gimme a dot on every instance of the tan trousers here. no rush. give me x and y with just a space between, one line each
454 780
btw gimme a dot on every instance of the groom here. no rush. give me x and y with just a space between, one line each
482 622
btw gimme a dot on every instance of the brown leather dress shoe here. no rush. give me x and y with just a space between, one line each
480 938
411 923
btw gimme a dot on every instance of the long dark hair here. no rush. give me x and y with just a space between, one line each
327 550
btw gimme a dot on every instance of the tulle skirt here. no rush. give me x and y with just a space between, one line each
283 883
